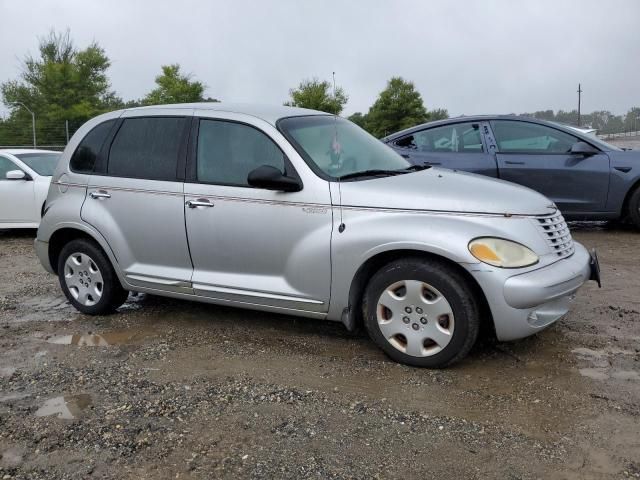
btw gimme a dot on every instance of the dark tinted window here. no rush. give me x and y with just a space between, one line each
6 165
42 163
84 158
524 137
228 151
146 148
460 138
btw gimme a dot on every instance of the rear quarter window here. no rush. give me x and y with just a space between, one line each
84 158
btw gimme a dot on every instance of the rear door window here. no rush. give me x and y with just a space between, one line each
147 148
456 138
84 158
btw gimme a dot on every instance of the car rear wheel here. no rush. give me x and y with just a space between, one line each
421 312
88 279
634 208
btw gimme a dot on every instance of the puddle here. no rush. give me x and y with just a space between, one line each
14 396
67 407
11 457
116 337
594 373
7 372
602 366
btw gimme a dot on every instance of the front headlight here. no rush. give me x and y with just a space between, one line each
502 253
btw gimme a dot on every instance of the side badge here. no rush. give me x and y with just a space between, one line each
318 210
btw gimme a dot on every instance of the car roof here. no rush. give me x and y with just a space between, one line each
18 151
473 118
268 113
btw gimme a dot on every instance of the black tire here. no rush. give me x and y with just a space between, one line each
448 282
634 208
112 293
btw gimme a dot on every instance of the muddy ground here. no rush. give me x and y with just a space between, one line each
171 389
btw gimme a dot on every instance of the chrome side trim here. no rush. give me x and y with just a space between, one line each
354 208
251 293
159 281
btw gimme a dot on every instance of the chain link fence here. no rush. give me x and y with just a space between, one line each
49 135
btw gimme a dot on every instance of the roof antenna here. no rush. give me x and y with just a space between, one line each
336 145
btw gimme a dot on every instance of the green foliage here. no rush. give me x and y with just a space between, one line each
318 95
399 106
359 119
61 83
174 87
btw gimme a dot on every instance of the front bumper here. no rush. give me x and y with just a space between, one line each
525 303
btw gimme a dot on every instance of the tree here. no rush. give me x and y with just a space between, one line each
318 95
438 114
61 83
359 119
174 87
399 106
632 120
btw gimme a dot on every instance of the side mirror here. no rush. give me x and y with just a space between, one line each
16 175
270 178
583 148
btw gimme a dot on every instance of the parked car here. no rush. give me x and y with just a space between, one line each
585 177
24 183
295 211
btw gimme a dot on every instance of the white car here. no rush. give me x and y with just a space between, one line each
24 182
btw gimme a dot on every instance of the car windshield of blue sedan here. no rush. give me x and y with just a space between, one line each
42 163
337 147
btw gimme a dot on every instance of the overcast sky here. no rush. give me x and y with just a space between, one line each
470 57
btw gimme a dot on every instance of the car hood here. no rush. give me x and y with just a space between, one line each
441 190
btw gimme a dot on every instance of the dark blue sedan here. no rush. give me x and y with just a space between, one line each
587 178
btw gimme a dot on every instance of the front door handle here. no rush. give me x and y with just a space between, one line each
100 194
404 155
511 162
201 202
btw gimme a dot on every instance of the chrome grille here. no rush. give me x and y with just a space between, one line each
556 231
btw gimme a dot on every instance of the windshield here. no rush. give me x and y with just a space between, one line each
335 147
42 163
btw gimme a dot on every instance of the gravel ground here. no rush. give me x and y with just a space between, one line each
171 389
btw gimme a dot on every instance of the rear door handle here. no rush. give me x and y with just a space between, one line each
404 155
201 202
100 194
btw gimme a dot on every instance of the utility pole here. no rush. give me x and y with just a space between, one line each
579 99
33 121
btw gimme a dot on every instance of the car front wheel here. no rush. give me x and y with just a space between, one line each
421 312
634 208
88 279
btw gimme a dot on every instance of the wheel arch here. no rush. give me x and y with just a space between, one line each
64 235
352 317
627 198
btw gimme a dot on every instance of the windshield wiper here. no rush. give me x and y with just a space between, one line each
371 173
417 168
376 172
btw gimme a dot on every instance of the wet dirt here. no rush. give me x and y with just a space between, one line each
176 389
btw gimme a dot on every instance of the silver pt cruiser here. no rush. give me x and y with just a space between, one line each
296 211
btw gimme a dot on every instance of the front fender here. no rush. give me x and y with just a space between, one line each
369 233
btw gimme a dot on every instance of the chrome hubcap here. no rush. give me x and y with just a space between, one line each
83 279
415 318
